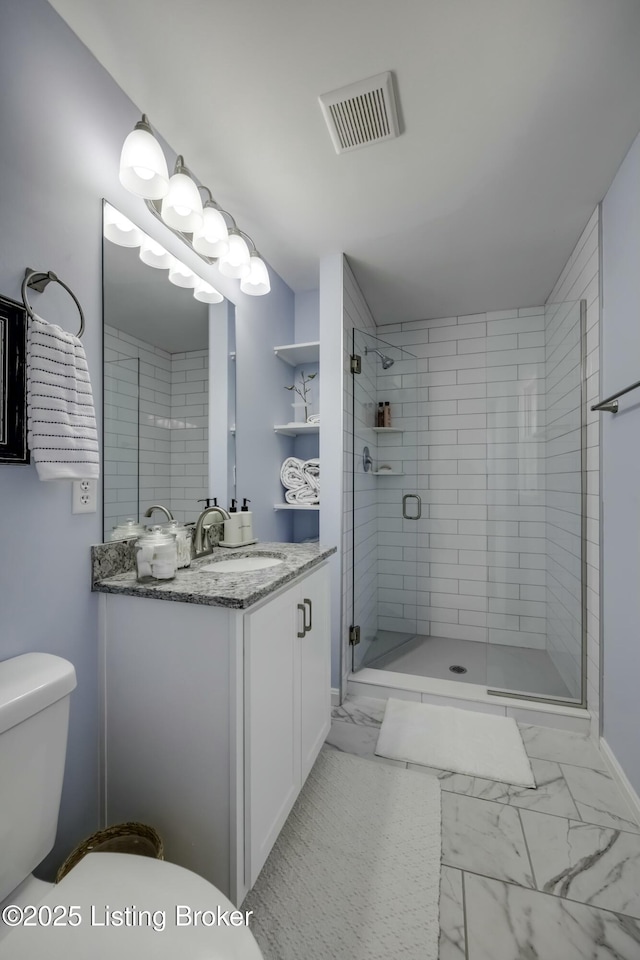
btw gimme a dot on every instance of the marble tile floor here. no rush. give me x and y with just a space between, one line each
545 874
496 665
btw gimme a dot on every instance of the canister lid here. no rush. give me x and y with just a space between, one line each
127 530
156 536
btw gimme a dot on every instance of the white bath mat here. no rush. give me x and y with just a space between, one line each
476 744
355 873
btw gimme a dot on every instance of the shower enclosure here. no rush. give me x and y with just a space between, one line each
469 508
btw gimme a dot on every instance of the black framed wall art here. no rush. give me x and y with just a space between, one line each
13 382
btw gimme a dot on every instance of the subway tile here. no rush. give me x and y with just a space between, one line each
460 332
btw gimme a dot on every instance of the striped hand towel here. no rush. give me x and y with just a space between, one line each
61 420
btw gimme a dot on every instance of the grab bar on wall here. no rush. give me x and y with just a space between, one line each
610 405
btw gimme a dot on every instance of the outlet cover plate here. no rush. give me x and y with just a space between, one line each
85 496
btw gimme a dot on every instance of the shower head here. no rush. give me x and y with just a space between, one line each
386 361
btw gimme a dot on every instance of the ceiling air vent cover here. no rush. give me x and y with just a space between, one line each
362 113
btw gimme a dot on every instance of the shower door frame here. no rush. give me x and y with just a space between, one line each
354 352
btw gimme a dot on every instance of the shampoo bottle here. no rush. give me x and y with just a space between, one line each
246 522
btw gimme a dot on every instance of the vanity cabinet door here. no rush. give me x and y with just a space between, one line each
272 728
315 667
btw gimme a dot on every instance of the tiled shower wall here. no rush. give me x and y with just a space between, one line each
169 439
474 428
189 433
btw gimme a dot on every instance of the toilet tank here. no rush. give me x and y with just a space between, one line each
34 719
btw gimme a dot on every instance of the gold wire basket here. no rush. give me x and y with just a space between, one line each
131 837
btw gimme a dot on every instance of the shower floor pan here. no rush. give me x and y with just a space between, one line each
420 669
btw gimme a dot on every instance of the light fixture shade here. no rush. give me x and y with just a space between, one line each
153 254
143 168
182 206
257 284
118 229
181 275
211 239
206 293
235 262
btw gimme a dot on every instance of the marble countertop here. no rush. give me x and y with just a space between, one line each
235 590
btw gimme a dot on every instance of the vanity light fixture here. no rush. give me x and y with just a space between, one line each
207 229
256 284
143 168
235 262
181 206
121 231
153 254
206 293
212 237
181 275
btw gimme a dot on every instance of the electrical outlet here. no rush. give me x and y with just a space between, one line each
85 496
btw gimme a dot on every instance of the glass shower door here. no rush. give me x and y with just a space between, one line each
386 504
536 485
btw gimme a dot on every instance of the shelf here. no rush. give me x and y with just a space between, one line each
386 473
388 430
296 353
294 429
296 506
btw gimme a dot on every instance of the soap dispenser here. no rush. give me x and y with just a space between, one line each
246 522
233 527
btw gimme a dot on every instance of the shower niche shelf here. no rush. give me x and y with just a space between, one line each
388 430
296 506
296 353
295 429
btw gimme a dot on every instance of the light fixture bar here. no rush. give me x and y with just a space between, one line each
176 204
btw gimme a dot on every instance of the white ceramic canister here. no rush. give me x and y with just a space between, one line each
156 556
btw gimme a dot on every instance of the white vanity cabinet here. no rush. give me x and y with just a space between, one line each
212 720
287 706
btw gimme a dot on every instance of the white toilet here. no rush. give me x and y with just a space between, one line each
123 906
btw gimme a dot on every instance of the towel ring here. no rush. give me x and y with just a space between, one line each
37 280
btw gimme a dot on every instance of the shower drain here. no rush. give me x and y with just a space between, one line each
457 669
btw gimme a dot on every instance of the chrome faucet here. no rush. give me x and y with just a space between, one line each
158 506
199 550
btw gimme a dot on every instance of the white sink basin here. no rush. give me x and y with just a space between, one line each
241 565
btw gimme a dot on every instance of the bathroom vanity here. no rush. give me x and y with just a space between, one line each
216 703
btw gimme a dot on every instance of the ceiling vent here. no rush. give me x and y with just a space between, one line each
362 113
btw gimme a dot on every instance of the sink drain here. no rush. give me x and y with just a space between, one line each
457 669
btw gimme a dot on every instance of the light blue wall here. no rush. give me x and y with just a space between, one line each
64 120
621 465
262 401
307 307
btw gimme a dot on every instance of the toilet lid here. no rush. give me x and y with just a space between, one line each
132 907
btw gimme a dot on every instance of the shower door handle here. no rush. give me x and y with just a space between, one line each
418 499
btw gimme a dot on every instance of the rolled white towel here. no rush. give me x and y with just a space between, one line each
291 473
144 568
163 571
302 495
311 473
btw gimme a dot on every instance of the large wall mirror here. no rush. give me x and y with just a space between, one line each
159 371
